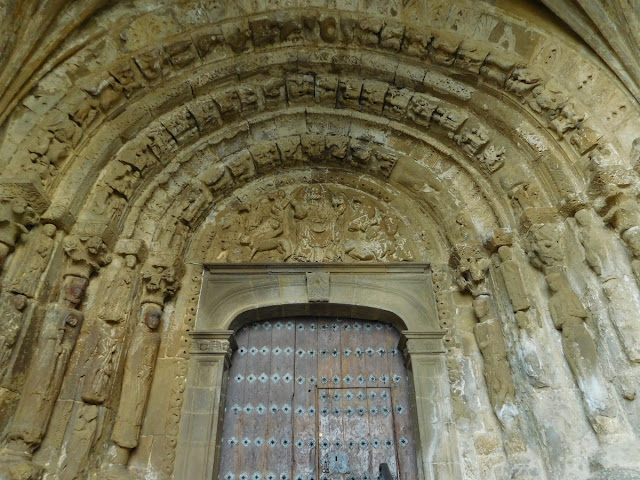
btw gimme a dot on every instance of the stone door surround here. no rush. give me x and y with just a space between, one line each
234 295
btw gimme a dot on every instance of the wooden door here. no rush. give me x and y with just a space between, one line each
317 398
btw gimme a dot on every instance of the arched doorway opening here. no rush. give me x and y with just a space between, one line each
333 327
317 398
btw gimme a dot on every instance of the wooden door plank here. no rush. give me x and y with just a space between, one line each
304 420
256 389
381 429
402 419
280 416
233 421
373 340
329 376
353 369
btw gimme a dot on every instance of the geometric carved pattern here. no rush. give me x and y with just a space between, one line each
317 399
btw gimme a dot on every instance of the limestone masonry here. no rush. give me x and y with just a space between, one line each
177 176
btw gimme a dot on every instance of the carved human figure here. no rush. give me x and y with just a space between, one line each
44 379
82 439
12 309
547 247
117 299
497 373
580 350
266 226
597 251
138 373
512 276
33 260
319 213
490 340
363 225
101 368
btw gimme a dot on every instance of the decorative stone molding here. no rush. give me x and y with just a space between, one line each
214 343
233 296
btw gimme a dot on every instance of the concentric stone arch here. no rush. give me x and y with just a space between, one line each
483 133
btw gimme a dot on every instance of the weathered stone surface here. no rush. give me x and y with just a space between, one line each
364 140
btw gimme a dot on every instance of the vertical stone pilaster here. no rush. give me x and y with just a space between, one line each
436 434
201 425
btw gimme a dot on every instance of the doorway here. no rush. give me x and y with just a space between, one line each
317 398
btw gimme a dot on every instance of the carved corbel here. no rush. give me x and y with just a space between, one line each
414 343
218 343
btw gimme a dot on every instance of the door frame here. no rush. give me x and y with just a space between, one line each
233 295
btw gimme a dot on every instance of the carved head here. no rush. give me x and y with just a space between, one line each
548 245
152 314
556 281
49 230
505 253
481 306
130 261
20 302
585 217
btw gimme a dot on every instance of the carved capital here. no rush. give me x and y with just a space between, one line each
221 342
87 254
161 277
414 343
27 190
16 214
472 264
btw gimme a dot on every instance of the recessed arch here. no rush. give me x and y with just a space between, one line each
231 297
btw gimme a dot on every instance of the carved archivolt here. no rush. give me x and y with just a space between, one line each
319 136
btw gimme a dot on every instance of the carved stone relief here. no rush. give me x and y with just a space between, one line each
312 223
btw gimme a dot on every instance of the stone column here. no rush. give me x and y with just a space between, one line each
56 341
161 280
200 436
436 436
